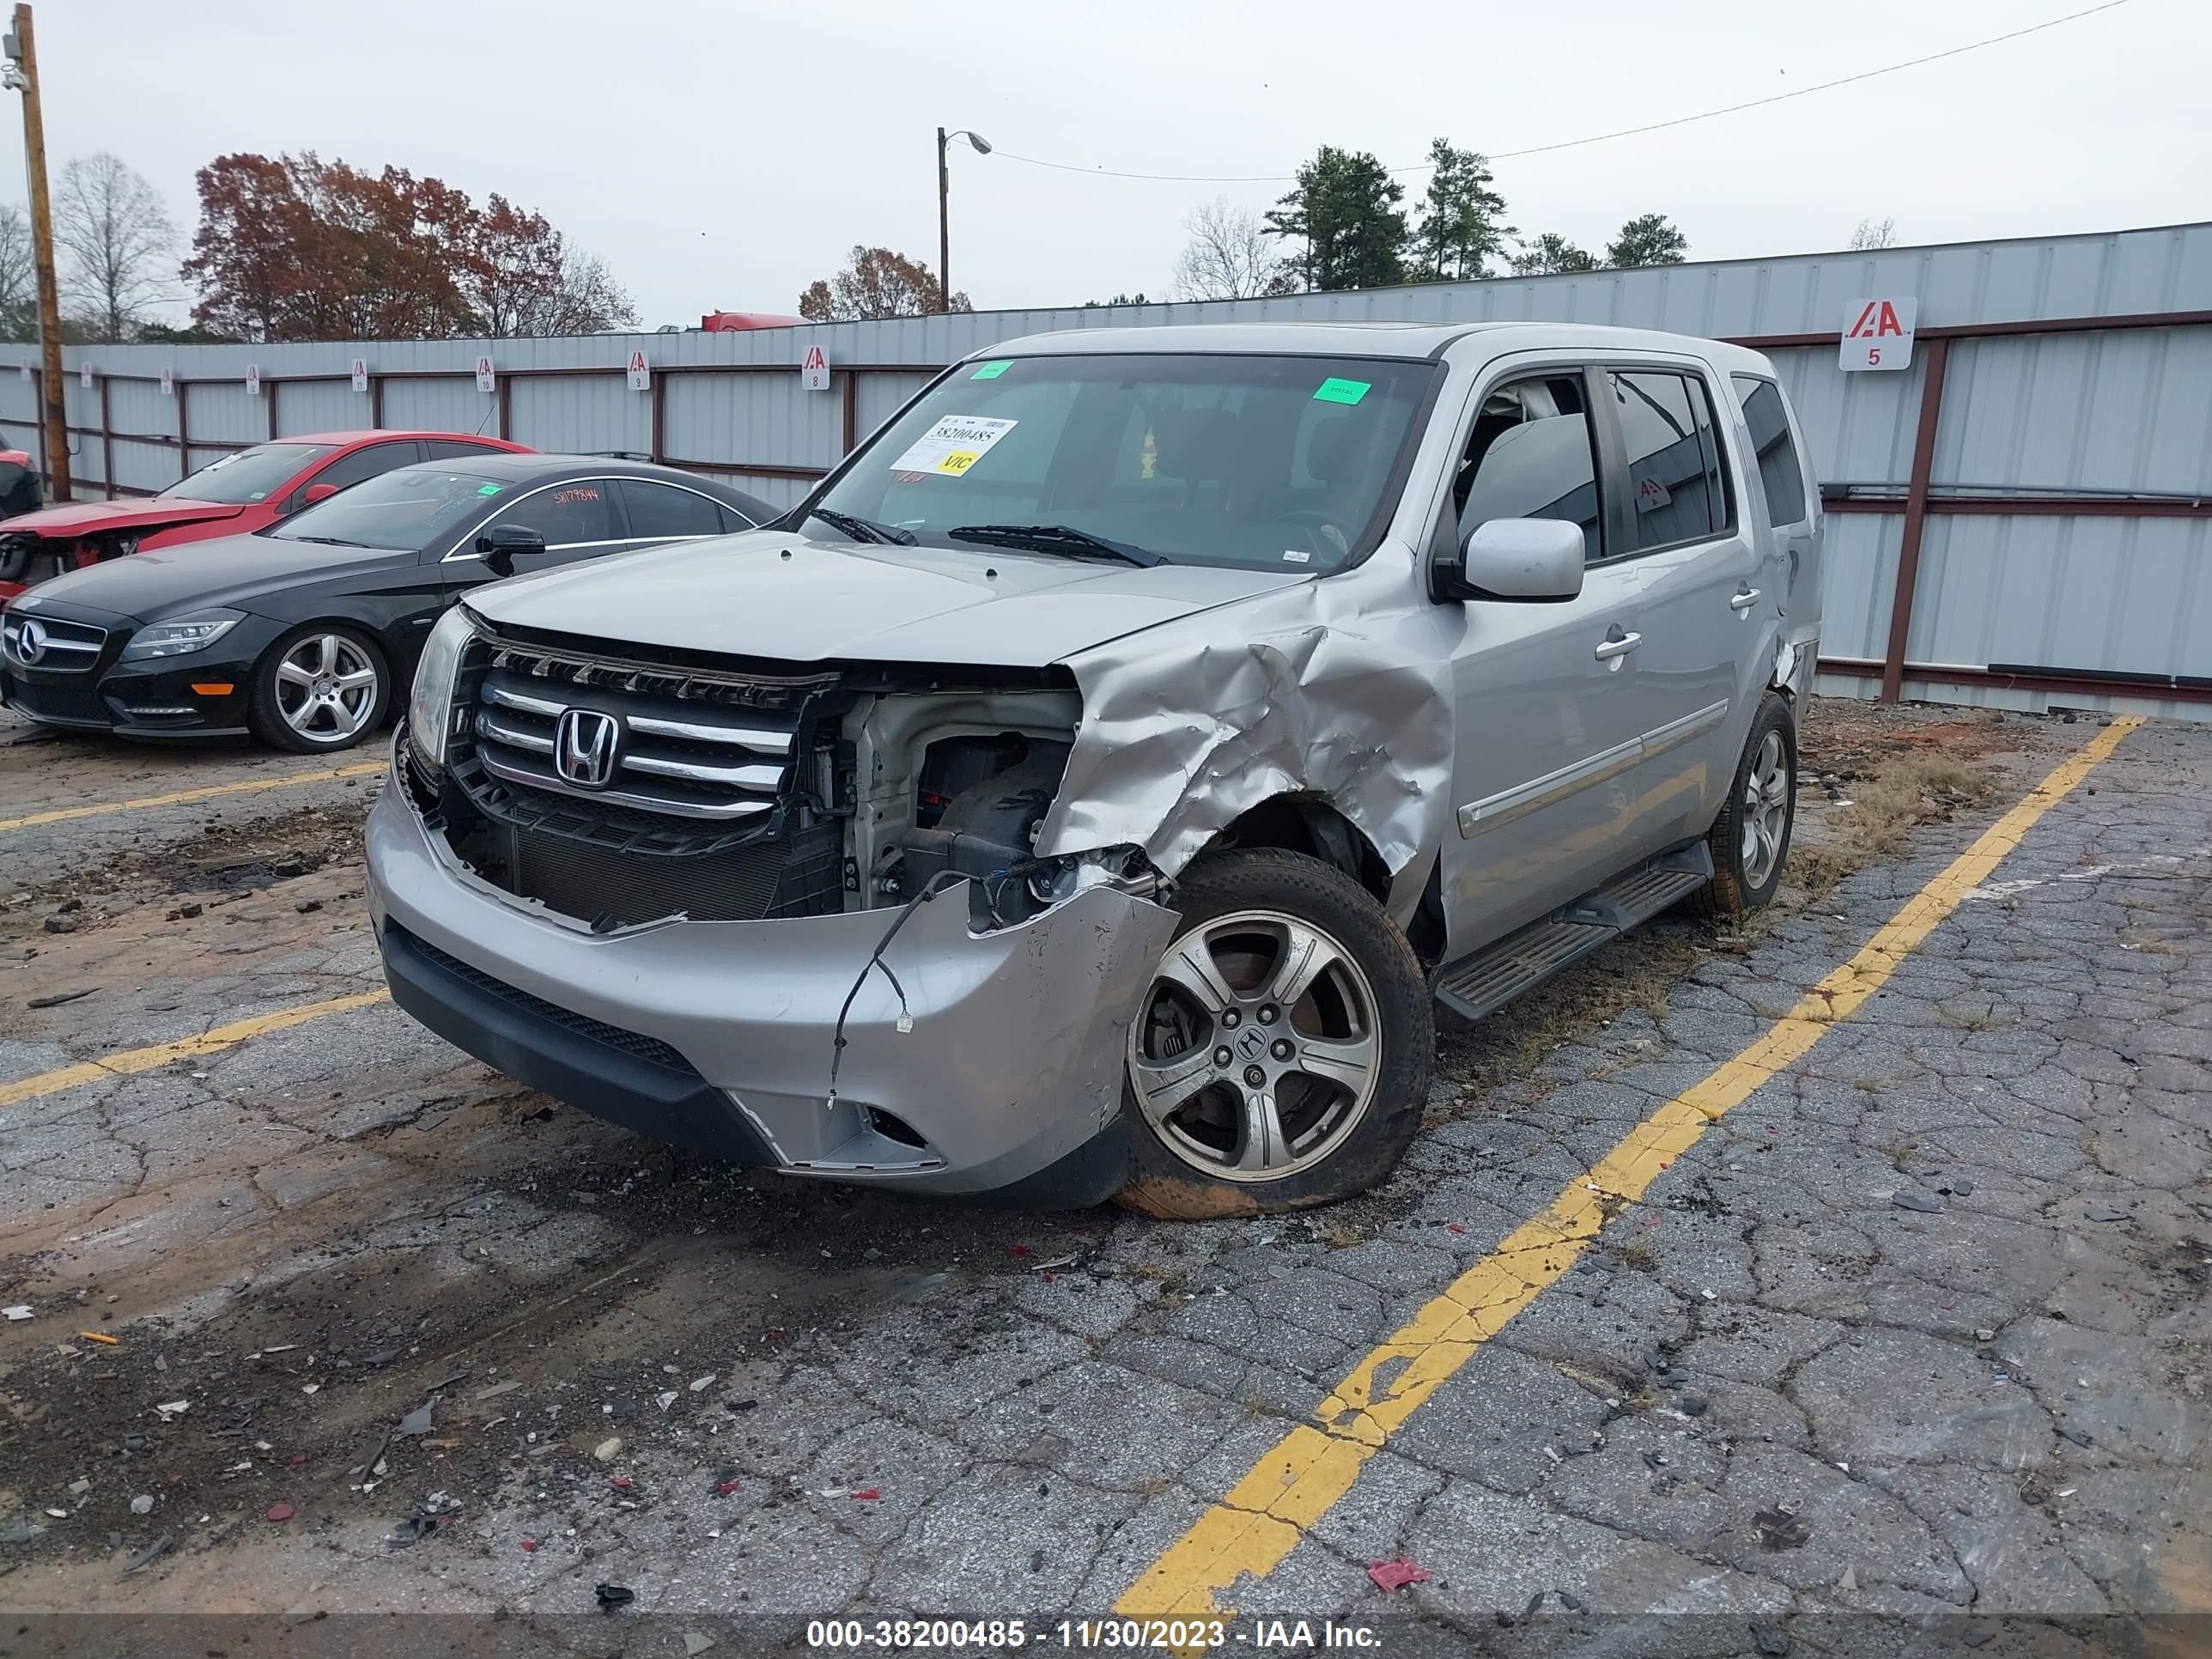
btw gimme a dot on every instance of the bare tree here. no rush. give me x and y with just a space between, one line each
18 286
116 242
1873 233
1230 256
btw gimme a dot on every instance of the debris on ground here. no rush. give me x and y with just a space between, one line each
1396 1575
1919 1202
608 1450
695 1643
20 1311
417 1421
413 1530
148 1556
143 1504
100 1337
1778 1529
278 1512
20 1532
170 1411
611 1596
2106 1212
60 997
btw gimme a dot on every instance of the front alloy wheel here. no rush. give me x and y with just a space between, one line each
1257 1051
1281 1056
325 687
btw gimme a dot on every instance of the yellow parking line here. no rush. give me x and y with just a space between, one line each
1309 1469
184 796
161 1053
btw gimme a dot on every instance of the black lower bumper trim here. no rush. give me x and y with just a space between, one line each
636 1081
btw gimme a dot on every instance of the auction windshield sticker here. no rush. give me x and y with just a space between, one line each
952 445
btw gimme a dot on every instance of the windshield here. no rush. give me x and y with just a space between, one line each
408 510
248 476
1259 462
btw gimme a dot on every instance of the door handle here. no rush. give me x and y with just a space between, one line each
1618 645
1745 600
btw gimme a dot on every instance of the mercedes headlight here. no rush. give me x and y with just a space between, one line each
181 637
429 718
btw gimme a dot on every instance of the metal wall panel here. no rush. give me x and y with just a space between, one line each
2064 594
315 406
428 405
563 414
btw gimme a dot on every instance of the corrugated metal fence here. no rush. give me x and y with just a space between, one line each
2023 515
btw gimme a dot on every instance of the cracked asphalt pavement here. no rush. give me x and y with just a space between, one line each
1919 1330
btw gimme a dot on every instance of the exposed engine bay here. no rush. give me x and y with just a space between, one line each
735 791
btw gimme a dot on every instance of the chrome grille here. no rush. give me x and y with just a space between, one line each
691 759
64 644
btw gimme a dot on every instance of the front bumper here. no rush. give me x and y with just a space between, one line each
719 1034
150 699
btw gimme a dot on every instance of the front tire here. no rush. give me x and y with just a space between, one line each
1290 969
319 688
1750 840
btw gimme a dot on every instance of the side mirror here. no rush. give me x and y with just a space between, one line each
317 492
502 543
1537 561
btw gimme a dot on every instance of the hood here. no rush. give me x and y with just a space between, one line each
100 517
228 570
775 594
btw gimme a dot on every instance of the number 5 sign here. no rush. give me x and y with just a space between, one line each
1878 333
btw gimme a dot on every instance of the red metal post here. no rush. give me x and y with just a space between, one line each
107 440
1916 515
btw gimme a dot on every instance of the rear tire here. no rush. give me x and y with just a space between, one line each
321 689
1290 968
1750 840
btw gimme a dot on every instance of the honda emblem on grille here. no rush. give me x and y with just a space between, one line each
31 643
584 747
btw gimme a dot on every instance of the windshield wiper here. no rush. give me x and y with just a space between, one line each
863 529
329 541
1055 538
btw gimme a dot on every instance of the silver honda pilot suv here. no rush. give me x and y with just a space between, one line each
1091 787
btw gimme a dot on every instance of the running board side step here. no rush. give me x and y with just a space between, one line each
1481 983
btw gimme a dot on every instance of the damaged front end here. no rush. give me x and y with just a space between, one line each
793 915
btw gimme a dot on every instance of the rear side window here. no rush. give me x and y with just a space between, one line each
1532 454
1675 479
661 512
369 461
1780 472
446 449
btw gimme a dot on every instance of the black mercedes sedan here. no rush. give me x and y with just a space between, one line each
303 633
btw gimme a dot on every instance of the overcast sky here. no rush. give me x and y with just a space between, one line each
723 155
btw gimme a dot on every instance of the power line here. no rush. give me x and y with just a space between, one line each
1599 137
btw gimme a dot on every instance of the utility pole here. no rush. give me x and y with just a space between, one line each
944 226
22 75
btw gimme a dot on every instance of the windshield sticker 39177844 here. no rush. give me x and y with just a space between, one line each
952 445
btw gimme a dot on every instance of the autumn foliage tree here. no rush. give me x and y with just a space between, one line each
298 248
877 283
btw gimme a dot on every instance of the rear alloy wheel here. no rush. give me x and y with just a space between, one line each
1750 840
325 687
1282 1056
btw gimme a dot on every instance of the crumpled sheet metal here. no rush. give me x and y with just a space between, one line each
1339 689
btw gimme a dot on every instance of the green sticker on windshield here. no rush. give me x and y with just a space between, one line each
1333 391
489 489
991 371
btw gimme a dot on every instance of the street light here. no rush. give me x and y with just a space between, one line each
982 147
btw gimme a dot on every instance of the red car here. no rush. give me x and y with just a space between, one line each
242 492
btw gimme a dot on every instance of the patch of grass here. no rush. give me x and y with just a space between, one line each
1902 791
